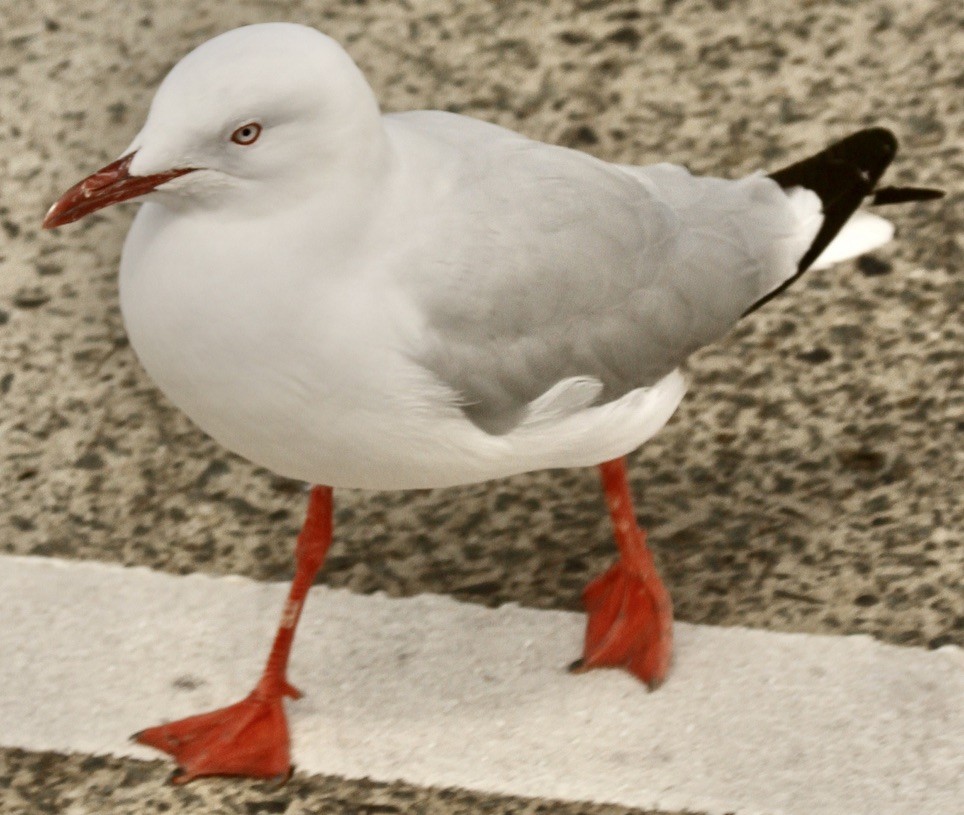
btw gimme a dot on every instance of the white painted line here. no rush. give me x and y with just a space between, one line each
441 693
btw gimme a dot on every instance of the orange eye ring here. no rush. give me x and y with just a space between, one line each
246 134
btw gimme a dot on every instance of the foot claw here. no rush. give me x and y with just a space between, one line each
655 684
282 779
576 666
178 777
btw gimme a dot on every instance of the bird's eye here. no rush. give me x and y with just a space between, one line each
246 134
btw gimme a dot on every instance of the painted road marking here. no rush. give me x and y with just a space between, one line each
442 693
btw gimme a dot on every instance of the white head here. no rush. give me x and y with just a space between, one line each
251 116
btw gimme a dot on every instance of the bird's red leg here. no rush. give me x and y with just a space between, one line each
630 616
250 737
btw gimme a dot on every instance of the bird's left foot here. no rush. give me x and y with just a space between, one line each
630 622
248 738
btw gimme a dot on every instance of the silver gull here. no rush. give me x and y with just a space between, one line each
422 299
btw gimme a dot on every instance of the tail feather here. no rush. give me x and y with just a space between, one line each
843 175
863 232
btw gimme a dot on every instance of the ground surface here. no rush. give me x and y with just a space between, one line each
811 480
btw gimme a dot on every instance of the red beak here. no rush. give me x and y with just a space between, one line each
107 186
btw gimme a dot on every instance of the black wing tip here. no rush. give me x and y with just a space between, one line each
869 151
883 196
843 175
862 156
885 138
875 144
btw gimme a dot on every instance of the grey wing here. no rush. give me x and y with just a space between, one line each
559 265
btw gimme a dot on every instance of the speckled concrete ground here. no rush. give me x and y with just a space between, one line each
811 480
51 784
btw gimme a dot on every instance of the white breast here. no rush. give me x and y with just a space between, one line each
253 346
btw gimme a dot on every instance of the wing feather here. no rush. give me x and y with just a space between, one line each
561 266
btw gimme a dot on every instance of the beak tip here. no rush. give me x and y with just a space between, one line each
50 219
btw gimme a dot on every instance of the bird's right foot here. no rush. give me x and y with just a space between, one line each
248 738
630 622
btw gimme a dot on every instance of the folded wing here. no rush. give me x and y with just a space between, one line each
559 266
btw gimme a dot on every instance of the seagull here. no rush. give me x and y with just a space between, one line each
411 300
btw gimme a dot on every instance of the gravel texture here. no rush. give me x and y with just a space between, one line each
54 784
